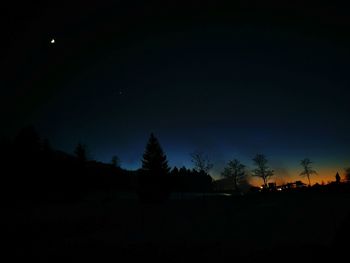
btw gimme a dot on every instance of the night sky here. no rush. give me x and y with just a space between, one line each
229 80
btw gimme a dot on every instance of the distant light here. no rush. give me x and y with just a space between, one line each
53 41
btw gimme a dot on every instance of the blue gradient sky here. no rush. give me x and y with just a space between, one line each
231 84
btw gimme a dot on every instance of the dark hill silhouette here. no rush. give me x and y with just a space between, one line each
34 171
60 206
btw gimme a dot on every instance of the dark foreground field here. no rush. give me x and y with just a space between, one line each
106 227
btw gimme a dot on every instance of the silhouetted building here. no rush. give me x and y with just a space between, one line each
272 186
294 185
299 184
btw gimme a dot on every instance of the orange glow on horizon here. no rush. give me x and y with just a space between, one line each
325 175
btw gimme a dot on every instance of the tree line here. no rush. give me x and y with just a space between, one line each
32 167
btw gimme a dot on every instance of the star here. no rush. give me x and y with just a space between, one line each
53 41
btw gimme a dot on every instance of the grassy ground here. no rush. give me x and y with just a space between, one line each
282 226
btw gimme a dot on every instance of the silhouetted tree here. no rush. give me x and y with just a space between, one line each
154 160
337 178
262 170
174 171
80 152
306 164
183 171
115 161
153 177
201 162
235 171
